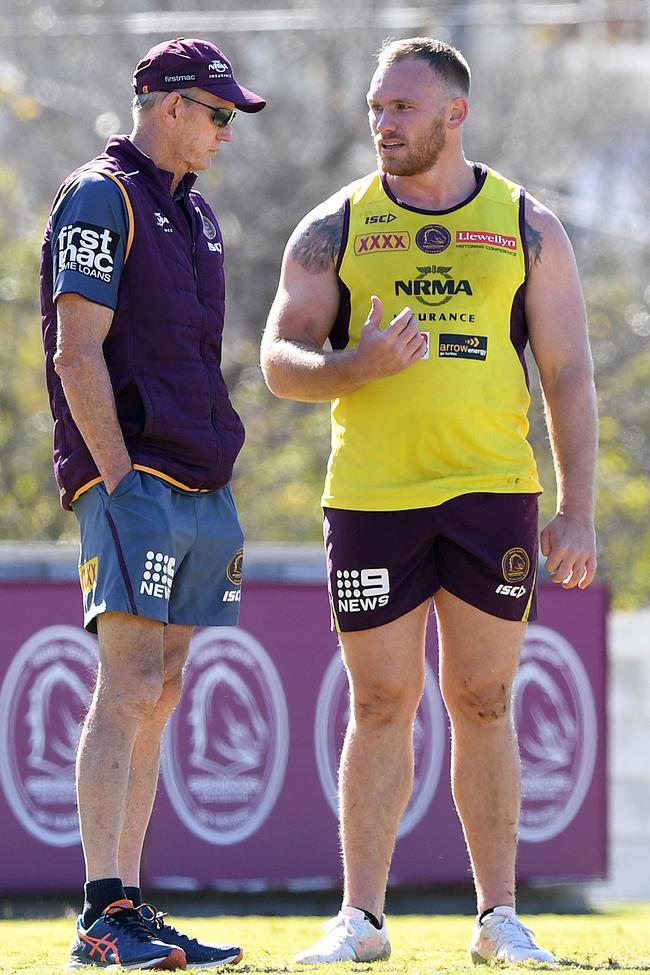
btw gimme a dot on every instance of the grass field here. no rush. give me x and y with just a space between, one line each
423 945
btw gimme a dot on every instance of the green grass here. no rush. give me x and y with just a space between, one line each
616 939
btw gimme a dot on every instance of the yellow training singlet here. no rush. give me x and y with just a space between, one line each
455 422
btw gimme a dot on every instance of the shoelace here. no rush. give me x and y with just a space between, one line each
150 915
131 921
520 935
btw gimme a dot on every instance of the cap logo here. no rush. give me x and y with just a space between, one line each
169 78
217 66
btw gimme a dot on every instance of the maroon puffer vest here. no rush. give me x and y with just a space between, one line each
163 350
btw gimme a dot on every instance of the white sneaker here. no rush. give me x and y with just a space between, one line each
501 936
348 937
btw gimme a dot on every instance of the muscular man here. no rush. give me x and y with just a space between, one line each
428 278
145 438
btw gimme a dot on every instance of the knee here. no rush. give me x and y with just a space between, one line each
483 702
170 695
133 695
386 701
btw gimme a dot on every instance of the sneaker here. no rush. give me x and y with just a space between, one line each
348 937
197 954
501 936
121 939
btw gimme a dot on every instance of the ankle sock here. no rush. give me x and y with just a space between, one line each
373 920
489 910
98 894
134 894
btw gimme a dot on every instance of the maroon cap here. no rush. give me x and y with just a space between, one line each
187 62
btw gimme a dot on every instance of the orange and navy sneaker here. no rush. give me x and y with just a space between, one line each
121 939
198 955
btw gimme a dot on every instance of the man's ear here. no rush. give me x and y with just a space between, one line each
458 112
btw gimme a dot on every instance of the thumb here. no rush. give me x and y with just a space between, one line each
376 312
545 542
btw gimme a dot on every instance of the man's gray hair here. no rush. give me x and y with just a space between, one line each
145 102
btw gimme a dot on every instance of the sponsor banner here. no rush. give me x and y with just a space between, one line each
227 743
45 693
558 739
250 756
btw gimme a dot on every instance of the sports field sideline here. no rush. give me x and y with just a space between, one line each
616 939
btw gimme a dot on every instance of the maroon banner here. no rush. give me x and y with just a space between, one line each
247 798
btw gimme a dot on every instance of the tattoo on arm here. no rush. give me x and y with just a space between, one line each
534 241
317 246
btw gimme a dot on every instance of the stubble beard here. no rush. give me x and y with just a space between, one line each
423 155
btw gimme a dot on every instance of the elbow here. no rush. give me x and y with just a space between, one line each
275 382
68 365
274 374
61 363
575 380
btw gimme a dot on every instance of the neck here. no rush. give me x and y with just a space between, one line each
150 144
445 185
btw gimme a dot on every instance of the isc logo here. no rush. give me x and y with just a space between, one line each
360 590
515 591
232 596
381 218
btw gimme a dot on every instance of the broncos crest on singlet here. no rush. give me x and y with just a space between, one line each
455 422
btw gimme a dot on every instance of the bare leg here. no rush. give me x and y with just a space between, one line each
129 684
479 655
386 673
145 762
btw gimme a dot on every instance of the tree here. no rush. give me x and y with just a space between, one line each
544 115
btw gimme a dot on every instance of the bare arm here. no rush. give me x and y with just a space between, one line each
294 362
558 335
79 363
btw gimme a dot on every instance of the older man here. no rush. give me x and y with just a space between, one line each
145 438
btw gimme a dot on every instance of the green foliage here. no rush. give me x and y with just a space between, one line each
312 139
28 497
279 476
421 945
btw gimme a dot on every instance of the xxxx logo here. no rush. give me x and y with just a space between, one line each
88 575
373 243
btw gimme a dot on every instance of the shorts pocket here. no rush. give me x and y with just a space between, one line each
130 479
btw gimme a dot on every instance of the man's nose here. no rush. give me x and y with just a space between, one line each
385 121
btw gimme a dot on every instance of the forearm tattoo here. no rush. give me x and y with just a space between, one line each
534 242
317 245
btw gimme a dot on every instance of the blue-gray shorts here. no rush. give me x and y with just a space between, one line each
150 550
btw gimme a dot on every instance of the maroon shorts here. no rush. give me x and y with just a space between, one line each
479 547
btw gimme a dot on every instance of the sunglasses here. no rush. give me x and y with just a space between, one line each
220 116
